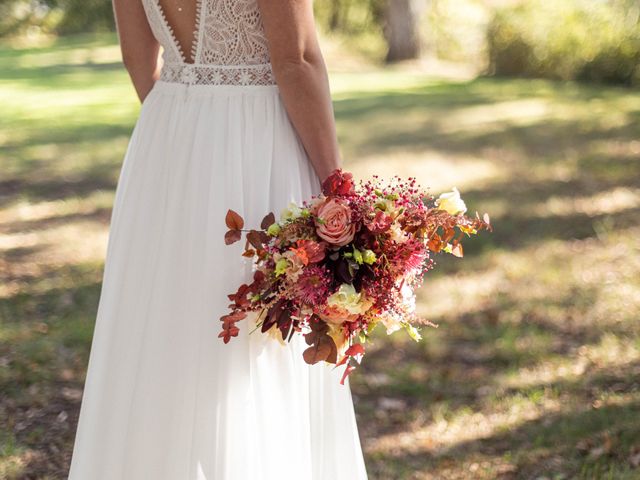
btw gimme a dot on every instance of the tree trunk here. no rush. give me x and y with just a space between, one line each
401 29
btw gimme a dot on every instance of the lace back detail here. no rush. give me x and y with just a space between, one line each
226 37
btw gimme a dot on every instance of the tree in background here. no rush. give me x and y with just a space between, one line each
402 29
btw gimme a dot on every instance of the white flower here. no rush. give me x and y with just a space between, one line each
397 234
391 323
451 202
290 213
348 299
408 299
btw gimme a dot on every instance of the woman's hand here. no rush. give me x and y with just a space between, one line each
138 45
302 79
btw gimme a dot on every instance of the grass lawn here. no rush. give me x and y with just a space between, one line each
534 371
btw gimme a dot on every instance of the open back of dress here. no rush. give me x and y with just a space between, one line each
211 42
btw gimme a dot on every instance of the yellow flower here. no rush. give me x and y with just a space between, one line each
451 202
369 257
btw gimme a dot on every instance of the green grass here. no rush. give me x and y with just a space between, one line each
534 370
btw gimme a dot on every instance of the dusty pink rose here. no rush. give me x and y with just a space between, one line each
335 226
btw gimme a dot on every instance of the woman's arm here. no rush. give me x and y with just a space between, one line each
139 47
301 75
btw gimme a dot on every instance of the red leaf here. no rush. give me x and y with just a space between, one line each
233 220
316 353
356 351
229 328
255 239
344 360
348 369
267 221
448 235
322 346
232 236
435 244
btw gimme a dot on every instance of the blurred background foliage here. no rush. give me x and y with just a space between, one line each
573 39
587 40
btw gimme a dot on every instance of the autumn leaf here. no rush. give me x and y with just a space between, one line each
229 328
232 236
273 315
267 221
233 220
435 243
321 345
257 239
456 250
323 349
356 351
348 369
316 353
448 235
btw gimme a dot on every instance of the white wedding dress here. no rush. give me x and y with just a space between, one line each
164 398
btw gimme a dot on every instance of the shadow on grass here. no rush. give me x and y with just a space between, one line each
101 215
548 441
54 189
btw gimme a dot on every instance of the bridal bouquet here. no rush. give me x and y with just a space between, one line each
345 261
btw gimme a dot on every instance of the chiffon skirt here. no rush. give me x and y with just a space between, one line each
164 397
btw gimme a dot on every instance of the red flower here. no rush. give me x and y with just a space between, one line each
339 183
313 250
380 223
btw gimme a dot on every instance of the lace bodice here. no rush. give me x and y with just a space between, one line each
211 42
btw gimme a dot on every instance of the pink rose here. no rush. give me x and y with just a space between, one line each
334 222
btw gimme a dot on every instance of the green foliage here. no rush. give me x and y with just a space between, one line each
455 30
55 16
573 39
357 24
85 16
349 16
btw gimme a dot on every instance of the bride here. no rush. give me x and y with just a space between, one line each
236 115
